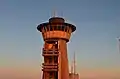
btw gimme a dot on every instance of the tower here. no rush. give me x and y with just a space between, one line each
73 74
56 33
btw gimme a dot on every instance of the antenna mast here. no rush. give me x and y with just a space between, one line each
54 13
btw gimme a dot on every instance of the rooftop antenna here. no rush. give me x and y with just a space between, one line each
54 13
62 14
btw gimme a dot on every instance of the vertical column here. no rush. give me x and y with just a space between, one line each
59 63
64 59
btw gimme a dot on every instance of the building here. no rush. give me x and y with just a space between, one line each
56 33
73 76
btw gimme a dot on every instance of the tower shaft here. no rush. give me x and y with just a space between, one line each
63 66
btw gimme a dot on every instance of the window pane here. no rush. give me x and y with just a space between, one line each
65 28
55 59
62 28
68 29
51 28
43 29
59 27
47 28
50 59
55 27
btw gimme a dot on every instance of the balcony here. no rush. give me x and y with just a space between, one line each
56 34
48 54
49 69
49 64
51 52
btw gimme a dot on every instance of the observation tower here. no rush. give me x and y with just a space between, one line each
56 33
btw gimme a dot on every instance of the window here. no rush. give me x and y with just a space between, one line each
68 29
55 27
51 28
62 28
56 75
45 60
50 75
55 59
56 42
50 59
43 30
47 28
65 28
56 46
59 27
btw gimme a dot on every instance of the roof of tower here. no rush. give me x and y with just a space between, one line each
56 20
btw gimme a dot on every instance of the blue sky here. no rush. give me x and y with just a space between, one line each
95 44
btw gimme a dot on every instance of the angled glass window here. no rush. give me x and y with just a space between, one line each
65 28
47 28
68 29
43 29
62 28
59 27
55 27
51 28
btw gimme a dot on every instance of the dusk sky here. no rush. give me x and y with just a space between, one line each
94 41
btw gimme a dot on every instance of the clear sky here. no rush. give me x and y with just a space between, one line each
95 44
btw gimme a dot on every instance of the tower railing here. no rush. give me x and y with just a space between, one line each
50 52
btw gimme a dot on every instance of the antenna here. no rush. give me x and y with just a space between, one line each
54 13
62 14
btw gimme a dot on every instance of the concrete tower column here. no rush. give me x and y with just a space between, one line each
64 59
